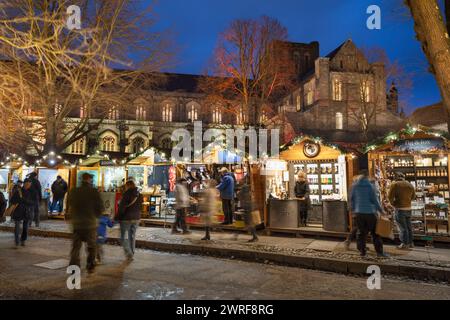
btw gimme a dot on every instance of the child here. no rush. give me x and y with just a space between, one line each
103 224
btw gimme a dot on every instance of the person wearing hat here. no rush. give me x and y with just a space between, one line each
85 207
226 188
401 194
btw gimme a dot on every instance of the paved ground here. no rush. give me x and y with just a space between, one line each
420 256
155 275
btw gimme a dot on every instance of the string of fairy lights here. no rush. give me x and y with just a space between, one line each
53 159
409 131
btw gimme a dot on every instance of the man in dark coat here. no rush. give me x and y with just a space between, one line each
24 198
59 190
36 186
85 207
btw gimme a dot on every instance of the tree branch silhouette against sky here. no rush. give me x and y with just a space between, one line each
197 24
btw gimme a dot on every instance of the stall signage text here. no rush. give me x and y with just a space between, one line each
419 145
107 163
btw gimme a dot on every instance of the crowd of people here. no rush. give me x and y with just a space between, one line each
90 223
366 209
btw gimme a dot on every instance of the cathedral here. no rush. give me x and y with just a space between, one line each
327 101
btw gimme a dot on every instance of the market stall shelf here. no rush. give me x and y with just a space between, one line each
422 156
329 170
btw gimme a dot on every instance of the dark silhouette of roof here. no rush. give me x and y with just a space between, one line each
428 116
333 53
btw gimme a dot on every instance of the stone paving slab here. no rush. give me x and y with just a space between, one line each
307 253
321 245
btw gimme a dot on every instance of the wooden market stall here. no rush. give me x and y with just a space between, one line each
155 177
48 168
422 156
329 169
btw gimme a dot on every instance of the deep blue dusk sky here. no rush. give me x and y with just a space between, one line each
197 23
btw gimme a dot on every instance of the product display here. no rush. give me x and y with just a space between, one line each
324 178
429 176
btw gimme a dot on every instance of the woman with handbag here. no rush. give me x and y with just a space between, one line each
22 211
130 208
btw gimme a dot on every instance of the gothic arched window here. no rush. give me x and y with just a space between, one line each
166 143
167 113
141 113
77 147
217 115
108 143
113 113
339 121
138 144
192 112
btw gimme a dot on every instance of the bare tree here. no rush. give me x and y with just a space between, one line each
395 74
50 73
433 34
365 105
447 14
250 75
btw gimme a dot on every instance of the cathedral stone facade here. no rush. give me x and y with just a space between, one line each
330 91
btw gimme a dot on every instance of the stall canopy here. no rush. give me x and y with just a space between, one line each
145 158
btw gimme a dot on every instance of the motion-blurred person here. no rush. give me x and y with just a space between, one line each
85 207
130 209
24 200
226 188
3 205
207 207
245 198
401 194
366 205
302 194
104 223
182 202
354 231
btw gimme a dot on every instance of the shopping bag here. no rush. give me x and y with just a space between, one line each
255 217
9 211
384 228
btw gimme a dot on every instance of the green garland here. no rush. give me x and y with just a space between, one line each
407 131
302 138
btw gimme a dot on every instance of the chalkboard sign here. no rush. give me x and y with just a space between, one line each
422 145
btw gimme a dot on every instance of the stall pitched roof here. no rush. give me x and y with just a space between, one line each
386 143
340 146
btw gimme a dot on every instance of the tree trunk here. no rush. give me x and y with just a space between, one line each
432 33
447 14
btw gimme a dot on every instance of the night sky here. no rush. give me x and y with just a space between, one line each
197 23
